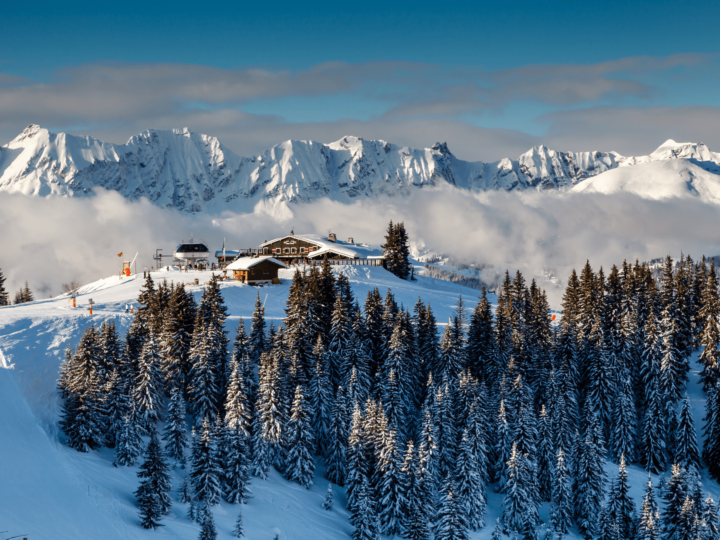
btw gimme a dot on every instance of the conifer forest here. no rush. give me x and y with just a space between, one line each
418 422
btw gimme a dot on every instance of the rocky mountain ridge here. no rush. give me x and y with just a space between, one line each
191 172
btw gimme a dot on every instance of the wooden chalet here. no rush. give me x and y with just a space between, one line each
312 248
255 270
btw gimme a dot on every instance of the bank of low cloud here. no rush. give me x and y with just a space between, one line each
51 241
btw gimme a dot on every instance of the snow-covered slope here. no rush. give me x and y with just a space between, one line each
196 173
659 180
51 491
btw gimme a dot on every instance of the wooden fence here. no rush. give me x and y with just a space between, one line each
350 262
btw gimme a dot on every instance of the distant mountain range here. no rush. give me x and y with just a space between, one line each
195 173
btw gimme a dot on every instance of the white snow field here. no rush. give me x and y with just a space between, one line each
48 490
658 180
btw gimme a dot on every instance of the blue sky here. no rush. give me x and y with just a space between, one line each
491 78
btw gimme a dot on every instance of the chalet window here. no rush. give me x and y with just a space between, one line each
294 250
303 250
286 250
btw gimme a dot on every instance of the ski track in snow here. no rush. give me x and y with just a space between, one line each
52 491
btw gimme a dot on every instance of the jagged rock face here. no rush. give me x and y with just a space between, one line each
196 173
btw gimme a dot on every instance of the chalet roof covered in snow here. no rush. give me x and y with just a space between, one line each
351 250
243 263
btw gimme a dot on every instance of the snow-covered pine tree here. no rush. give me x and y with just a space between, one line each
4 297
590 478
208 530
620 507
452 354
81 386
497 533
673 365
214 312
175 433
340 330
205 472
237 430
428 458
391 486
356 468
480 339
356 362
452 522
710 336
235 474
80 420
477 426
148 308
689 525
24 294
174 341
262 454
445 424
203 389
503 448
155 484
710 520
686 447
111 350
414 519
363 514
651 357
600 376
128 446
147 393
545 457
320 400
711 447
335 457
648 524
257 340
299 464
184 491
560 510
374 329
623 420
470 486
653 448
276 406
329 499
516 500
114 407
393 402
396 251
522 413
239 530
241 355
674 496
237 402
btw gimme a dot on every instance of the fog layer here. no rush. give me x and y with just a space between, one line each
51 241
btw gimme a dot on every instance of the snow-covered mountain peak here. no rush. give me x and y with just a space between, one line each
673 150
193 172
28 133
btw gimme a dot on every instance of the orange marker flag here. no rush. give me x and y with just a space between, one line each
120 254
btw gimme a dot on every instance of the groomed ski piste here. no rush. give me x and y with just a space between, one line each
48 490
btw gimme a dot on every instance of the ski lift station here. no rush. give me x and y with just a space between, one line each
192 252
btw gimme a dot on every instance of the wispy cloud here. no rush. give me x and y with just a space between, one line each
413 103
